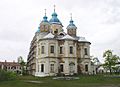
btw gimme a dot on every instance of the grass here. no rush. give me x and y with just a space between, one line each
84 81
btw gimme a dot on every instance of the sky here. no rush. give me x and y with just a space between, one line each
96 20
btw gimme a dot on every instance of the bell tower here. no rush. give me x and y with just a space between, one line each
44 25
71 28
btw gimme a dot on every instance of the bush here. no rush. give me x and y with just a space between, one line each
4 75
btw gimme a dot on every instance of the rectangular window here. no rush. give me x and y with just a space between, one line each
52 68
42 67
71 50
42 50
61 50
61 68
51 49
86 68
85 50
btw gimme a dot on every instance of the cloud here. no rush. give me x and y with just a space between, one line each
97 20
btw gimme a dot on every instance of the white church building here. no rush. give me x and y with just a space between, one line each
53 51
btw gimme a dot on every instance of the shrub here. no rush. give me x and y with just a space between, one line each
4 75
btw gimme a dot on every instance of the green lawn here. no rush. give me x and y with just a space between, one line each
84 81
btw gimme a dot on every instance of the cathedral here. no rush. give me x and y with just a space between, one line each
53 51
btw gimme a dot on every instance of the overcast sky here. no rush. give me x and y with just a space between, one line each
97 20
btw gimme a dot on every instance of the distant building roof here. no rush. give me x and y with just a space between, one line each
10 63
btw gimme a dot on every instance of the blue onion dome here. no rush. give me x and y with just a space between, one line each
38 30
54 19
45 21
71 25
45 17
54 14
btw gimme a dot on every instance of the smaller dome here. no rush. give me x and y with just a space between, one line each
71 24
45 19
44 23
38 30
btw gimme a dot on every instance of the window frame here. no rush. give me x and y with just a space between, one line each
42 67
61 68
52 48
71 49
61 50
52 68
42 49
86 68
85 51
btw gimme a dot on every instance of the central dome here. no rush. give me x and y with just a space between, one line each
54 19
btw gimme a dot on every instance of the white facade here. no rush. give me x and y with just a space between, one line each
55 52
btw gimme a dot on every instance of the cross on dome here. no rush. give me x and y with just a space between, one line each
45 17
71 24
54 19
71 16
54 8
45 12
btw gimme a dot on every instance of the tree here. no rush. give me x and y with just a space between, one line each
22 63
20 59
95 62
110 60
